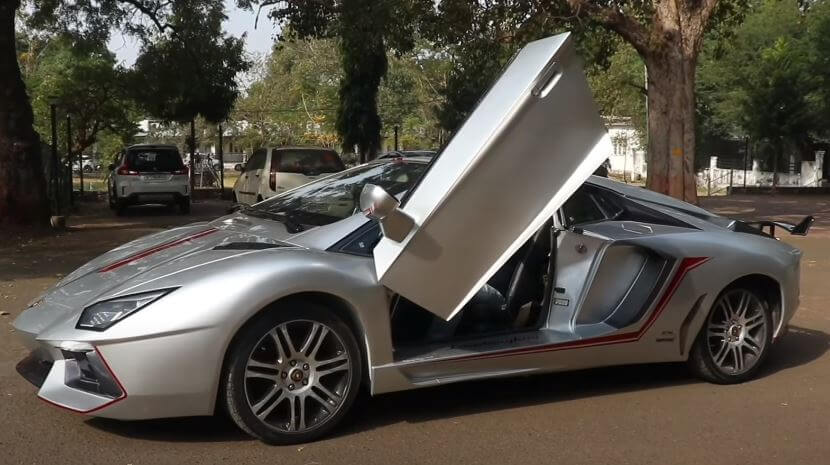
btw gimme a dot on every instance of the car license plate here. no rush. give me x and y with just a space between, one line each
155 177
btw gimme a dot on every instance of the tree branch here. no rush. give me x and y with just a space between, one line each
630 29
152 13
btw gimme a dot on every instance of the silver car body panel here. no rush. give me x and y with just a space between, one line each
544 130
628 292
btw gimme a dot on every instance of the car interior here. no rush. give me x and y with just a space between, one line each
518 296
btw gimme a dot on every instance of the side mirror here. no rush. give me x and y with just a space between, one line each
111 166
380 205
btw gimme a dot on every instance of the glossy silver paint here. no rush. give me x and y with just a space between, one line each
457 240
168 356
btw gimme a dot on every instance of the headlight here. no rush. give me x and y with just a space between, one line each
102 315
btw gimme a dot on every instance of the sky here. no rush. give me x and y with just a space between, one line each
258 40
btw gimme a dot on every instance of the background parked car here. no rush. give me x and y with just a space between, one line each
149 174
90 164
286 168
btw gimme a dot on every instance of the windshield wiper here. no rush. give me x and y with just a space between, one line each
290 223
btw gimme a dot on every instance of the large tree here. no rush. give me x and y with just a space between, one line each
22 185
668 35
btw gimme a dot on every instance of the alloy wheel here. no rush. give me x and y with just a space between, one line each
736 332
297 376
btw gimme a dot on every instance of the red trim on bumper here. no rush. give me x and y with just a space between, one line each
86 412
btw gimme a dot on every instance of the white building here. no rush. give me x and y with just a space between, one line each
628 159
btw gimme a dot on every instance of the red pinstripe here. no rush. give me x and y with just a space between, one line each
686 265
158 248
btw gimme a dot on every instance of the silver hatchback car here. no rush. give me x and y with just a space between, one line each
501 256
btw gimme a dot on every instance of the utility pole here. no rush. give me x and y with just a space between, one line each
396 137
746 158
192 155
54 170
221 165
69 158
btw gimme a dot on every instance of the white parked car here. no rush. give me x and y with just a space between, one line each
89 164
149 174
273 171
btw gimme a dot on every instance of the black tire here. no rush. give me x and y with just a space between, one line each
110 200
703 363
233 385
184 206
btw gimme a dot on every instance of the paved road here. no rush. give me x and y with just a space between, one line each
627 415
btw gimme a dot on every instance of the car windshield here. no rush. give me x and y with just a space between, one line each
336 197
154 160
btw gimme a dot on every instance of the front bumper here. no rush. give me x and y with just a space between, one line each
74 376
170 375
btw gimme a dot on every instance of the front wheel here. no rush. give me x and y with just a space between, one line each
292 374
735 339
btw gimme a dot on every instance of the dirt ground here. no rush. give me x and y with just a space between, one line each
623 415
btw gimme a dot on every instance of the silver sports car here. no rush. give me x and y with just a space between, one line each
501 256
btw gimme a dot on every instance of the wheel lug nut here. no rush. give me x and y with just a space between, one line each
290 387
305 366
305 382
293 363
284 374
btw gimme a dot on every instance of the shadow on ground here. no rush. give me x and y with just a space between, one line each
799 347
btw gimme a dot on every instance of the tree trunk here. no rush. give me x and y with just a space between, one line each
23 197
671 125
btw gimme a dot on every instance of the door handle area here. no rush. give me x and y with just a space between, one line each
549 78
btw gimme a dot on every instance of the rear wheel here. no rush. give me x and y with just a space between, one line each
736 338
292 374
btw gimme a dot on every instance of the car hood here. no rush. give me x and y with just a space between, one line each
124 269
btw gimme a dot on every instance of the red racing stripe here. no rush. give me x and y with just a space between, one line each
158 248
686 265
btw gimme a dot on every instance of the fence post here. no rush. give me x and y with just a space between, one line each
69 158
709 182
221 164
730 179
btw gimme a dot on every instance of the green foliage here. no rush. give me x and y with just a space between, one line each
480 37
84 81
367 30
194 72
294 98
619 89
761 83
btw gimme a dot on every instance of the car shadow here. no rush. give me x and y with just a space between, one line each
799 347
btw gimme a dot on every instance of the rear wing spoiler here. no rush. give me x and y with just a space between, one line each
800 229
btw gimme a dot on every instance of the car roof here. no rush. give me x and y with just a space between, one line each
152 146
409 154
303 147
